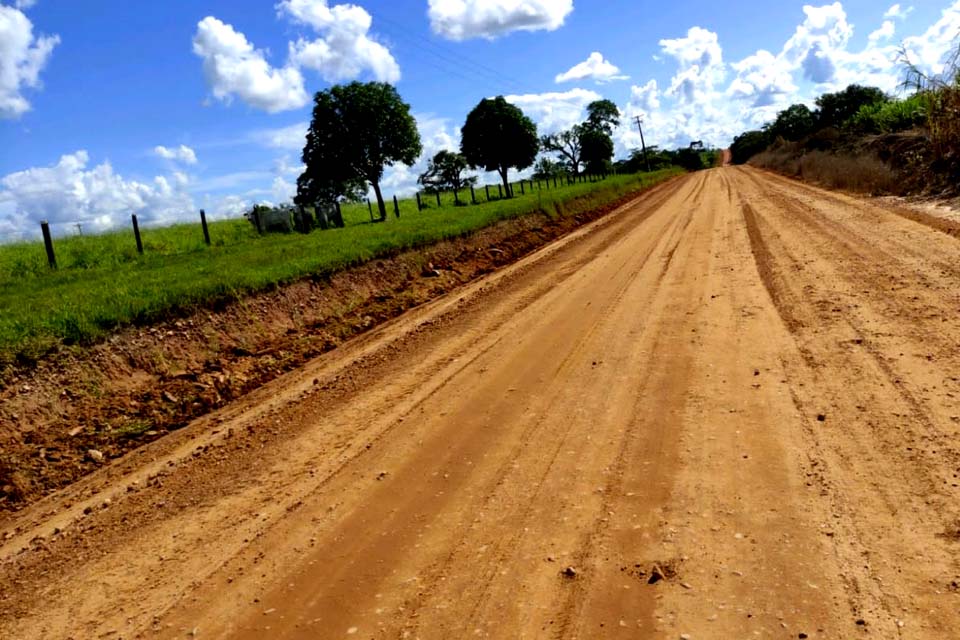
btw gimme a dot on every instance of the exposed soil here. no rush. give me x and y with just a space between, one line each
730 409
83 408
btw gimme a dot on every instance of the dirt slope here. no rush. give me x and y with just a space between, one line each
729 409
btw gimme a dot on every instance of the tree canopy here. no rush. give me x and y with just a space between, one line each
497 136
597 150
589 142
547 168
835 109
568 144
603 115
793 123
445 173
356 130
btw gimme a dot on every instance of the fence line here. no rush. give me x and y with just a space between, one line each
304 224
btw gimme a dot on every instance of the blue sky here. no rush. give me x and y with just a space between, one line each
109 108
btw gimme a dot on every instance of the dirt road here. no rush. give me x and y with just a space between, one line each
728 410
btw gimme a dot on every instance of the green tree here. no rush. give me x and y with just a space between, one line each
445 173
749 144
547 168
602 115
597 150
356 130
568 144
836 109
498 136
793 123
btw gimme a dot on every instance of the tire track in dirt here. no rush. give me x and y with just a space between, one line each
716 381
190 471
503 548
421 580
925 447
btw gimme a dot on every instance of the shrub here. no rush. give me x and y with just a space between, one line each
891 117
860 173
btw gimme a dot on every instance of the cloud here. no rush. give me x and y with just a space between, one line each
490 19
714 100
22 57
70 192
814 43
645 99
885 32
762 79
595 67
897 12
436 134
233 67
183 153
345 48
555 111
700 61
24 4
930 50
289 138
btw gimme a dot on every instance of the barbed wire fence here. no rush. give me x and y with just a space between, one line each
46 233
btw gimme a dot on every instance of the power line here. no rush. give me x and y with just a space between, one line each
463 63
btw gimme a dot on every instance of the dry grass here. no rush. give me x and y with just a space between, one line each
859 174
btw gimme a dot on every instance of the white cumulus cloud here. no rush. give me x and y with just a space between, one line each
70 192
183 153
345 48
885 32
714 100
700 64
595 67
233 67
22 57
555 111
896 11
930 50
466 19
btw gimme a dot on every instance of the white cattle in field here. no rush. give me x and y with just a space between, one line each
273 219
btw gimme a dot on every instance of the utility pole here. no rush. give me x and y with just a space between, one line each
643 144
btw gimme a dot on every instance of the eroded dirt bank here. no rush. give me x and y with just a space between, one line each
82 409
728 410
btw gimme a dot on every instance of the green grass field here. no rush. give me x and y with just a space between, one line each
102 283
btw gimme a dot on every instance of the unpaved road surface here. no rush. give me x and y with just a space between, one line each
730 409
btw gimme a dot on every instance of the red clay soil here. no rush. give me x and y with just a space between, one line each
82 408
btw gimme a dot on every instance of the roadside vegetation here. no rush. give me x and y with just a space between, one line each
103 284
97 284
863 140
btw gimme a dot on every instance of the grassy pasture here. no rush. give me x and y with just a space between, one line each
103 284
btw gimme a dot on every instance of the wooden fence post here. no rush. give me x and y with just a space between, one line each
203 223
473 196
487 188
500 190
438 200
48 243
419 204
136 234
554 182
396 207
456 198
338 222
522 190
370 207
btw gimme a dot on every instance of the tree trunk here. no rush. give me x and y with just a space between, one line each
380 204
504 171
